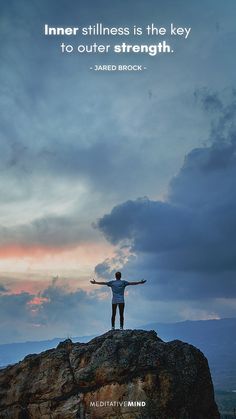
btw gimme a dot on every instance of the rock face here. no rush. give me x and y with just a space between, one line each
100 379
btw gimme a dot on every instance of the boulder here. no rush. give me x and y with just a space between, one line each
127 374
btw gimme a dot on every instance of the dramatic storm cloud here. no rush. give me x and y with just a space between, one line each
187 244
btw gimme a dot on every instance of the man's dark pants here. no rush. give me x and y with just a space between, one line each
121 310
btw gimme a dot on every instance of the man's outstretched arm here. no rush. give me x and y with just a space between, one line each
99 283
138 282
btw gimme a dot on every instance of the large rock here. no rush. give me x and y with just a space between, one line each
100 379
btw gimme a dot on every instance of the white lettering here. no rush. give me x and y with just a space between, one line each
48 30
179 31
161 47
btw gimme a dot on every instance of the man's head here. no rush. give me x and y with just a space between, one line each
118 275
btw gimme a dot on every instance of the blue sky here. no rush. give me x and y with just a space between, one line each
106 171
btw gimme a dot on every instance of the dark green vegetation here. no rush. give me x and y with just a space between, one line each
226 402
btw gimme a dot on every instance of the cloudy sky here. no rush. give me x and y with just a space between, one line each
107 170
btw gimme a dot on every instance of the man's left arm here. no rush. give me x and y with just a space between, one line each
99 283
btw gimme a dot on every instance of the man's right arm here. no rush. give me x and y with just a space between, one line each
137 282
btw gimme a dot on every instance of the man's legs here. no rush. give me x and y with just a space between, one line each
121 310
114 306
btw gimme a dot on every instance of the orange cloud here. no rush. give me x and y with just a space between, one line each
79 261
19 285
37 301
86 250
16 251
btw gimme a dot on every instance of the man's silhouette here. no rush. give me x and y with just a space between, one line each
118 288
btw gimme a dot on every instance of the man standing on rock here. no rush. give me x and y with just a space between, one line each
118 289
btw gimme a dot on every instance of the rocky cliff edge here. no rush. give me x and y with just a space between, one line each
128 374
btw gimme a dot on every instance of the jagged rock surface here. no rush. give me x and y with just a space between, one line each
173 379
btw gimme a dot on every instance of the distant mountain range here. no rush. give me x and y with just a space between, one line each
215 338
10 353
